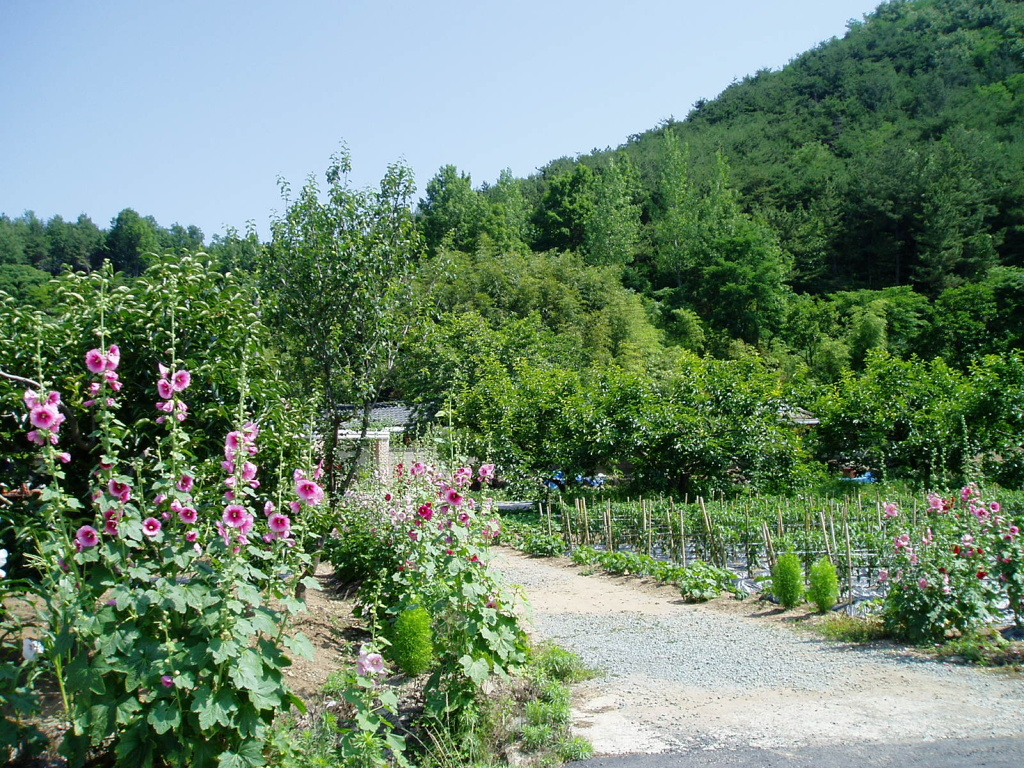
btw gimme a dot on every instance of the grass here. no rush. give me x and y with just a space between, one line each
843 628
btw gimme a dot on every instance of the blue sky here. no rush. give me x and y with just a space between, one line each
191 110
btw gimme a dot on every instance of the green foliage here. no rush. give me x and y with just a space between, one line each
574 748
788 580
339 274
824 586
162 623
561 665
412 647
698 581
853 629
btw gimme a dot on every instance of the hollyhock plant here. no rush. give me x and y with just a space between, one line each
941 588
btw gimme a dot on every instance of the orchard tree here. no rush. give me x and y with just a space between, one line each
341 267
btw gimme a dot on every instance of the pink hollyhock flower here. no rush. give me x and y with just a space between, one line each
113 381
167 406
297 475
891 510
230 482
295 507
414 535
167 681
191 536
486 471
922 583
232 444
249 471
319 471
188 515
182 411
234 515
369 664
268 508
113 357
110 526
246 528
64 457
95 361
87 536
453 497
996 507
228 466
46 417
903 540
279 524
968 492
151 526
164 389
309 492
185 483
425 511
883 575
419 469
31 399
180 380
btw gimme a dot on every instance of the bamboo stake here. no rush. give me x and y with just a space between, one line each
682 535
608 527
769 545
849 560
824 533
549 518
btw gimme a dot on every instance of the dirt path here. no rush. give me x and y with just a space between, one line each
734 675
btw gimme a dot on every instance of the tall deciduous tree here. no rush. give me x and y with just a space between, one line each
612 223
341 265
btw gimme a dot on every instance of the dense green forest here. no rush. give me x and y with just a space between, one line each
844 235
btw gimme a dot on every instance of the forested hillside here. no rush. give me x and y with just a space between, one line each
845 234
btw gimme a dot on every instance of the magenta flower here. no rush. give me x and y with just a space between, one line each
113 357
180 380
64 457
165 389
185 483
151 526
232 444
309 492
122 491
188 515
452 497
486 471
167 681
95 361
234 515
46 417
86 537
419 469
249 471
279 524
268 508
891 510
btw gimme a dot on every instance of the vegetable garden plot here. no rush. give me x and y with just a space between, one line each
860 533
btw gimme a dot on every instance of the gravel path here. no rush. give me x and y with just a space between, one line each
732 675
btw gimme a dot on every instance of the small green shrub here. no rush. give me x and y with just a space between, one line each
536 737
788 580
824 591
412 643
562 665
540 712
574 748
